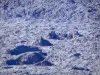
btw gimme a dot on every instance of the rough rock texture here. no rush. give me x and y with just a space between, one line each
65 35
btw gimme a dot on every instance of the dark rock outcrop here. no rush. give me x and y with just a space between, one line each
53 35
44 42
27 56
22 49
28 59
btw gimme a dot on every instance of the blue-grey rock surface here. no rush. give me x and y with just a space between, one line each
49 37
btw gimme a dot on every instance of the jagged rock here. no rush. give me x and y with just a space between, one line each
54 36
68 36
44 42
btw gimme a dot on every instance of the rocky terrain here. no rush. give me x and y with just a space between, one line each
49 37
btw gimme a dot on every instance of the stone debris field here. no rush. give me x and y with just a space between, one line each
49 37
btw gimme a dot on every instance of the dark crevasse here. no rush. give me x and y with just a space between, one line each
80 68
22 49
77 54
7 67
44 42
